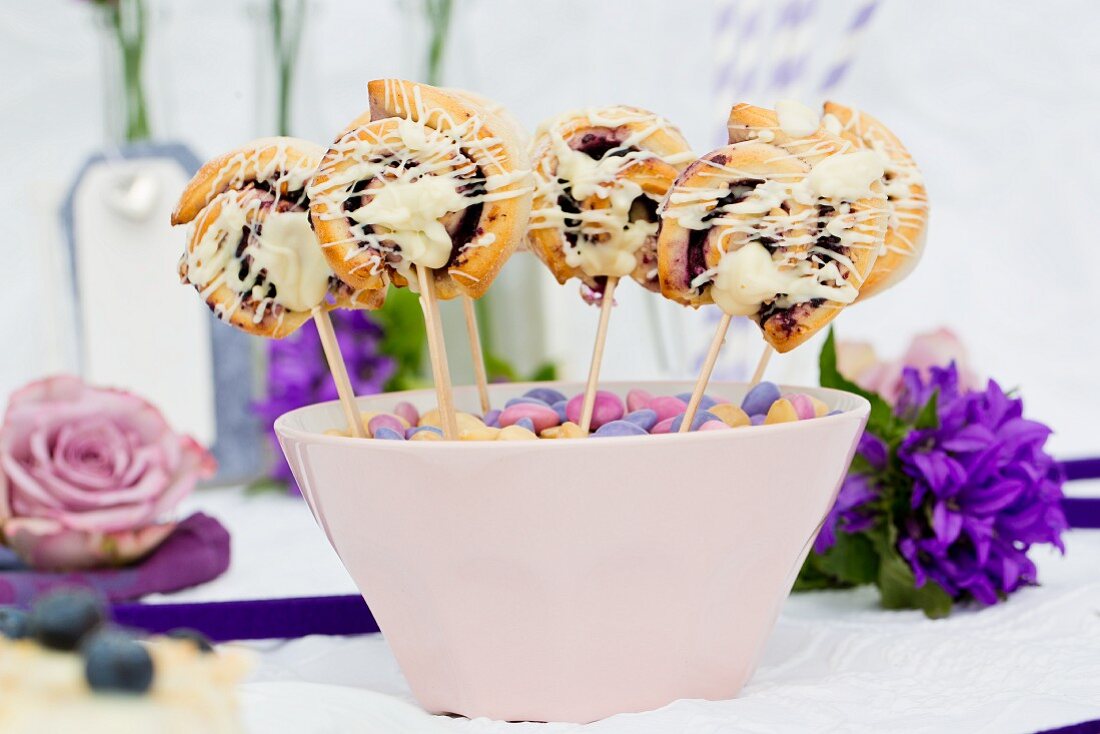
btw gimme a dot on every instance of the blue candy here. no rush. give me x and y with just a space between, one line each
758 419
834 412
700 418
760 398
417 429
388 434
545 394
526 423
643 417
492 418
705 403
620 428
526 399
559 408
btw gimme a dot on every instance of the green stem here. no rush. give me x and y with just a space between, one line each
130 29
439 21
286 44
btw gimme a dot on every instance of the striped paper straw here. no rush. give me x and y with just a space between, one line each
846 53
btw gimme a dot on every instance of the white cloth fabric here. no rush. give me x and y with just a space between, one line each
835 663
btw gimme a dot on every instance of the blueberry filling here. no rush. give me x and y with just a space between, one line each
786 319
597 145
696 257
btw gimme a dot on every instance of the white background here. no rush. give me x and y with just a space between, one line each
998 102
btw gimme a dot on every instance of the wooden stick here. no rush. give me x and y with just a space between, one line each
606 304
476 354
762 365
339 371
437 353
704 375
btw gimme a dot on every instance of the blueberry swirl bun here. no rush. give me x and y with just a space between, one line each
251 253
906 197
427 178
786 238
600 177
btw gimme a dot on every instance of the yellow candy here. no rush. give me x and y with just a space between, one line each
366 415
484 433
820 408
465 421
337 432
781 412
516 433
426 436
730 414
565 430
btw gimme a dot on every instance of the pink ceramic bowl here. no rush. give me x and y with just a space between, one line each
572 580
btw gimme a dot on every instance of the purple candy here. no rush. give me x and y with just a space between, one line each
545 394
540 416
667 407
701 417
760 398
492 418
385 420
388 434
758 419
417 429
706 402
607 407
619 428
525 423
834 412
526 399
407 411
643 417
637 399
559 408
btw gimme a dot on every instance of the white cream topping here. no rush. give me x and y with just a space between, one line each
846 175
796 119
750 276
409 212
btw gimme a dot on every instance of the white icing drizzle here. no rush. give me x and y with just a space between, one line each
604 237
422 175
796 119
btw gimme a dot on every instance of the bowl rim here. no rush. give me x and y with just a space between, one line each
283 429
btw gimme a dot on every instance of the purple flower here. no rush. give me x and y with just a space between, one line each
851 512
984 490
298 375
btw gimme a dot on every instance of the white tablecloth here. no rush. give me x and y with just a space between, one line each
835 663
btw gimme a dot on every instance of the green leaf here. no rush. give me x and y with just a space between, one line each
264 485
545 372
852 559
497 369
929 417
882 421
812 577
899 591
403 337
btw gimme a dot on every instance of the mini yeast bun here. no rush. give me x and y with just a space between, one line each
251 253
906 197
427 177
600 176
769 235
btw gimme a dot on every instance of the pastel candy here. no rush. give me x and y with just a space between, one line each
714 426
782 411
547 395
337 432
757 420
730 414
663 426
619 428
802 405
425 433
525 423
820 408
368 415
388 434
539 416
637 399
643 417
465 421
760 398
606 408
484 433
705 403
385 420
565 430
700 418
407 412
559 408
834 412
516 433
423 429
667 407
492 418
525 399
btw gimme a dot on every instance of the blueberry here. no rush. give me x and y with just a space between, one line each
201 641
114 661
545 394
62 618
14 623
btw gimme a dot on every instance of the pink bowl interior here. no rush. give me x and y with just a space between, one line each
572 580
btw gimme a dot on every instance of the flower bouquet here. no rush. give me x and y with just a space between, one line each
949 488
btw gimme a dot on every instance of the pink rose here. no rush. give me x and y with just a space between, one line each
90 476
857 361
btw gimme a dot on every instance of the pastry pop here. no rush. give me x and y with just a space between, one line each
783 226
426 188
601 174
252 256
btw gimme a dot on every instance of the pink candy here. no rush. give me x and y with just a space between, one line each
667 407
802 405
637 399
607 407
407 411
385 420
714 426
663 426
541 416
